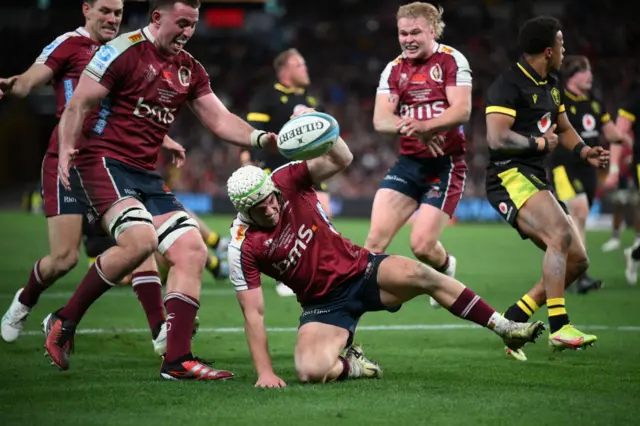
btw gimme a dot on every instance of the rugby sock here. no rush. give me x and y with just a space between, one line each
212 240
92 286
471 307
443 268
213 265
35 287
615 234
557 314
148 289
522 310
346 368
181 313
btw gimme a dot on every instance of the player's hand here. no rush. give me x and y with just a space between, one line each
65 158
597 156
177 150
551 137
270 381
413 128
6 84
434 144
269 142
302 111
611 182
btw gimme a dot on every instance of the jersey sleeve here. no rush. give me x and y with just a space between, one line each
458 71
294 176
201 85
388 83
630 109
502 98
111 63
243 267
259 115
56 55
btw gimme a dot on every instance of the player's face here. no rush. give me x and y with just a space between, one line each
267 213
175 27
297 68
103 19
557 52
416 37
584 79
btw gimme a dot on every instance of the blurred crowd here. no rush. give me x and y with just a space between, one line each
346 45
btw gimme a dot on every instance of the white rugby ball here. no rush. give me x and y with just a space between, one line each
308 136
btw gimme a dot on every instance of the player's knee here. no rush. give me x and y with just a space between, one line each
376 242
140 243
423 277
561 237
191 252
311 372
422 246
64 260
579 261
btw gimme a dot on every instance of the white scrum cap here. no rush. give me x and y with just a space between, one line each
248 186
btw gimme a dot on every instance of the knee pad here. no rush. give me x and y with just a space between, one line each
173 229
129 217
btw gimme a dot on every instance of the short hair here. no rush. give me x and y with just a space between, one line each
432 14
90 3
573 64
165 4
538 33
283 57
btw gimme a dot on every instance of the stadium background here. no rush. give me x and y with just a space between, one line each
346 44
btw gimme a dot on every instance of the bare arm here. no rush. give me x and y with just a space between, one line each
218 120
331 163
252 305
501 138
37 75
384 113
87 96
459 111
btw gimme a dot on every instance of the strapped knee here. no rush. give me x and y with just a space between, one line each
173 228
131 216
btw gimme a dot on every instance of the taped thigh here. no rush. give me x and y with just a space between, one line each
173 228
131 216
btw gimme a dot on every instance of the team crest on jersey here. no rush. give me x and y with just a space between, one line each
436 73
588 122
184 76
535 98
555 95
545 122
573 110
595 106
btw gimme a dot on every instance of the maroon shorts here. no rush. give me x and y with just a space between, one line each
437 181
100 182
57 199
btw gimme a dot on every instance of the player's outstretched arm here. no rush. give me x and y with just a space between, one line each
20 86
500 137
331 163
596 156
221 122
384 113
252 305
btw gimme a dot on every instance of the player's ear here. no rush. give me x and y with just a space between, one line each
155 17
85 9
548 52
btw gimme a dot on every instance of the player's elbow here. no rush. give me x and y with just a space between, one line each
345 160
463 112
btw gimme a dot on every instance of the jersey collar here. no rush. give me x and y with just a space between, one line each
148 35
575 98
288 90
83 32
531 74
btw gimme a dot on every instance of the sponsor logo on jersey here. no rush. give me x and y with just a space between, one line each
158 114
424 111
103 57
418 78
545 122
241 233
300 244
134 38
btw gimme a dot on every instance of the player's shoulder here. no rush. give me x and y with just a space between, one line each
67 39
241 232
124 42
187 57
284 176
447 52
395 63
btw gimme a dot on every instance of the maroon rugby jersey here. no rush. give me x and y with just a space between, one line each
304 250
67 56
147 89
421 86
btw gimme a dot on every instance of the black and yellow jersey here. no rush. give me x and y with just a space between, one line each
631 110
587 116
270 109
534 103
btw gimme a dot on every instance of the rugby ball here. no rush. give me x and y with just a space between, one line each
308 136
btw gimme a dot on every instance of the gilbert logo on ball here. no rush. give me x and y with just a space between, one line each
308 136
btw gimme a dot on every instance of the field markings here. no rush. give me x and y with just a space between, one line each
408 327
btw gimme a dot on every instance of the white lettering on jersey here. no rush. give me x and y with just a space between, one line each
299 246
423 111
160 114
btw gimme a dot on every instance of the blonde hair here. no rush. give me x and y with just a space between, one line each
283 58
432 14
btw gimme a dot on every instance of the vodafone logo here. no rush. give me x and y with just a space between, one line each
545 122
503 208
588 122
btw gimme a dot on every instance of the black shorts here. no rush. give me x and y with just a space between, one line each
508 188
571 180
94 239
344 305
